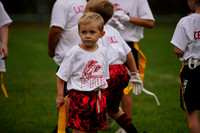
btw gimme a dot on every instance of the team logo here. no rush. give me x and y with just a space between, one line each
79 9
92 75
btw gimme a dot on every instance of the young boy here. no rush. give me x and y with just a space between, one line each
135 15
63 33
186 41
119 53
85 68
4 23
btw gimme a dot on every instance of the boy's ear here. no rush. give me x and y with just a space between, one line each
102 33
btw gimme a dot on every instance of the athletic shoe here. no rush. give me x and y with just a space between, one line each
120 130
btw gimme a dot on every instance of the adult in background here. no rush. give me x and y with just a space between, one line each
186 41
63 33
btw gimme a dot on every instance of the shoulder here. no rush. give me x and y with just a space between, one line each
102 48
111 30
186 19
74 49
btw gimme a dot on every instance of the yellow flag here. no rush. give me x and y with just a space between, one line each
3 87
141 67
62 119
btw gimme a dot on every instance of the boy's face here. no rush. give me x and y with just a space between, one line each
89 34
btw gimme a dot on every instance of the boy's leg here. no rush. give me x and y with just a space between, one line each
194 117
124 121
77 131
127 104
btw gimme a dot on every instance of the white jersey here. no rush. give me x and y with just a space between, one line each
83 70
116 46
137 9
65 14
4 20
187 36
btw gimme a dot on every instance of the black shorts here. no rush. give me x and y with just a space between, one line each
190 88
134 51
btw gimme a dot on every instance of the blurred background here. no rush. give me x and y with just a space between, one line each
39 10
30 78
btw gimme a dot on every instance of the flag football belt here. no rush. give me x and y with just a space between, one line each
192 63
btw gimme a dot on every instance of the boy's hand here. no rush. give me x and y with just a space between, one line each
59 101
137 83
4 51
116 24
122 16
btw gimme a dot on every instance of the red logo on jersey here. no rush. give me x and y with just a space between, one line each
79 9
112 39
197 35
117 8
92 74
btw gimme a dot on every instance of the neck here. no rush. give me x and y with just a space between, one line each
89 48
197 9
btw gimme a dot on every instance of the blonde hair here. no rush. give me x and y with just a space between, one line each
103 7
92 17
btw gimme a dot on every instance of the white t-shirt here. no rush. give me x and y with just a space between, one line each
65 14
83 70
135 8
4 20
187 36
116 46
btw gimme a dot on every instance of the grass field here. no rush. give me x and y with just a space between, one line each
31 84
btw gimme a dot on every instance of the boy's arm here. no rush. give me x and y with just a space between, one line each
4 36
137 21
53 38
135 81
131 62
142 22
179 53
60 96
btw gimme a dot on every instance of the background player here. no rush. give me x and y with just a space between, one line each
186 41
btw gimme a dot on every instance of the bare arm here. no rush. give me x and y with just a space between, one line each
131 62
53 38
179 53
4 45
60 96
142 22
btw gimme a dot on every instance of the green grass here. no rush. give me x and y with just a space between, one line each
30 81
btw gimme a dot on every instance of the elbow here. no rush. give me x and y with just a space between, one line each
151 24
179 53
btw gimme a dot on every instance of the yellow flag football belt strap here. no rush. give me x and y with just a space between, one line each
142 61
3 87
142 66
62 117
182 92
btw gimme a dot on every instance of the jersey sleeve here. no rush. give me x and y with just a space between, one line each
180 38
4 18
65 70
59 16
144 10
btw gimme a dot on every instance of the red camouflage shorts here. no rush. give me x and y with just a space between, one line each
84 113
118 81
